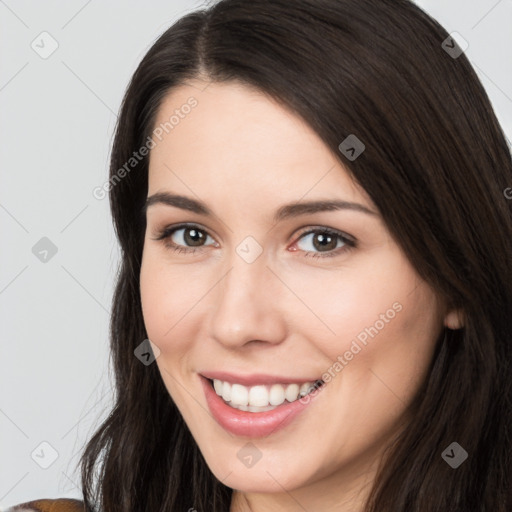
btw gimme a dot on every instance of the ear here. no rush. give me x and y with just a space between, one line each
454 319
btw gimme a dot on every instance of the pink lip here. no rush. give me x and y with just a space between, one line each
254 378
250 424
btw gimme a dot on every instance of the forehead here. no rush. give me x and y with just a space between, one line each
237 136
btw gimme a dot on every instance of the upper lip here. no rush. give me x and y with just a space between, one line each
254 379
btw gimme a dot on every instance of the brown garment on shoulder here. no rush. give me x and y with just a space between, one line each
55 505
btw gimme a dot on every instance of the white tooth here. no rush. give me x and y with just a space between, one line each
226 391
239 395
217 384
292 392
276 395
304 389
242 407
258 395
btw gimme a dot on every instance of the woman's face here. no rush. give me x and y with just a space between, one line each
264 293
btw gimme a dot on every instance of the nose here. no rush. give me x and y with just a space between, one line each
249 305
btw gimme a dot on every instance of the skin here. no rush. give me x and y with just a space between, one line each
287 313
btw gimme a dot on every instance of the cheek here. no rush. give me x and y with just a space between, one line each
168 294
153 298
359 299
382 319
387 361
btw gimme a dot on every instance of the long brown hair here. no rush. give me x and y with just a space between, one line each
436 165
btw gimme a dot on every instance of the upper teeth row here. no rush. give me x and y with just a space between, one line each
261 395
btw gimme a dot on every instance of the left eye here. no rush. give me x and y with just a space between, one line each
324 241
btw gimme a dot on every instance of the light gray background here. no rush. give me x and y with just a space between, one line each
57 120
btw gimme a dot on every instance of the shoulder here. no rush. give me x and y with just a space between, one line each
49 505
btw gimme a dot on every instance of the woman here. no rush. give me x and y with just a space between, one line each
309 198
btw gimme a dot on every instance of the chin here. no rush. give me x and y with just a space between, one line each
262 477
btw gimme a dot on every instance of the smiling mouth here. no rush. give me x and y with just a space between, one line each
262 397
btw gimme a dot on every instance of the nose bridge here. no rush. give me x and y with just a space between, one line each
246 307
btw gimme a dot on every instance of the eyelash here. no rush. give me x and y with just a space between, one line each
350 243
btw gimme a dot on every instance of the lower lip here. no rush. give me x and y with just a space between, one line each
250 424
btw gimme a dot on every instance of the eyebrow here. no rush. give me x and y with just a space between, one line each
284 212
